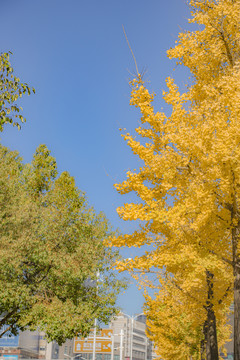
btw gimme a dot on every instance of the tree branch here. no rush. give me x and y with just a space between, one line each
4 332
4 320
229 262
221 32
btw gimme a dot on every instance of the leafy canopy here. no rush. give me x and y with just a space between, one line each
51 251
188 186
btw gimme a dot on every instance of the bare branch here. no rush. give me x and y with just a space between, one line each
131 51
6 330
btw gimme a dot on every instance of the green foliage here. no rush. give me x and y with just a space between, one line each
51 251
10 90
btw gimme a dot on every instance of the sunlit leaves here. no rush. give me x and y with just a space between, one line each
189 184
11 89
51 251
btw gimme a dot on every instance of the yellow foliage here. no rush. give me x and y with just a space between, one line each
189 185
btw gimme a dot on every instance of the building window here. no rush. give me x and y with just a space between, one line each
140 346
138 338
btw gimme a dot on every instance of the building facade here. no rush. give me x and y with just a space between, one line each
27 345
126 340
135 341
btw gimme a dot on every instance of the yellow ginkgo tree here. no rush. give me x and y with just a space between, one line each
189 184
176 329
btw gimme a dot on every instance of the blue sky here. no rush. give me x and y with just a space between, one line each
75 55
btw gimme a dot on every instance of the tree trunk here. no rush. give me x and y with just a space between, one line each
211 345
236 273
237 316
210 327
204 341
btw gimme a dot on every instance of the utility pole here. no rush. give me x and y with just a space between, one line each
121 344
95 325
112 350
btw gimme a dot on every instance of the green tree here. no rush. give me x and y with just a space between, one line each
10 90
51 251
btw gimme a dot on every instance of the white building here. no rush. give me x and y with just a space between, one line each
129 341
135 342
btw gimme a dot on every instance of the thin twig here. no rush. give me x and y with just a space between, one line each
131 51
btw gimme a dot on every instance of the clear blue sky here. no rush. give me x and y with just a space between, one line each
75 55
